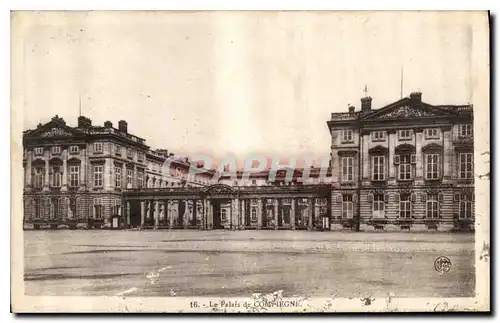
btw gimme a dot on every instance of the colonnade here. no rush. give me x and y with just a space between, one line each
234 213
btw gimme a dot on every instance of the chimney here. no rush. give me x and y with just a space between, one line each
351 109
416 97
122 126
108 124
84 122
366 104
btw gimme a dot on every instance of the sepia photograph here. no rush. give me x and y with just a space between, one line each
250 161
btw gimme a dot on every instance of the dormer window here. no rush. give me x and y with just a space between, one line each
74 149
432 133
56 150
98 147
39 151
347 135
465 131
405 134
378 135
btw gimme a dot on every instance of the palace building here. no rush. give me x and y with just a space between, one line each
405 166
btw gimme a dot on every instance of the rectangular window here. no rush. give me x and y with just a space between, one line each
38 177
404 167
118 177
347 169
140 156
38 208
347 206
98 176
54 207
405 206
432 166
465 131
465 165
223 215
97 209
254 214
98 147
254 182
378 206
74 149
130 175
118 150
405 134
347 135
139 180
39 151
56 150
56 176
378 168
74 176
465 207
378 135
432 133
130 153
432 206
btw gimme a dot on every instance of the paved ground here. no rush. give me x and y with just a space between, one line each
239 263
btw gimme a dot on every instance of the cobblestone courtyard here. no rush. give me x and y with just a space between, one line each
239 263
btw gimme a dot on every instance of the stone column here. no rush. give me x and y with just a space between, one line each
156 213
64 170
241 218
419 156
235 214
46 179
134 177
128 213
210 211
276 201
391 146
142 213
29 160
447 152
310 213
170 214
185 217
364 157
83 168
124 176
205 214
292 214
259 214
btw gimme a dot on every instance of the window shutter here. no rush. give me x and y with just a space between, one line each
473 196
370 197
456 197
441 197
355 198
423 197
396 160
398 197
413 158
413 197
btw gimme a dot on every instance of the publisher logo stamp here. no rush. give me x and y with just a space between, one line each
442 264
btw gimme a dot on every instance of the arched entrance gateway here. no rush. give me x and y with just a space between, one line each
219 206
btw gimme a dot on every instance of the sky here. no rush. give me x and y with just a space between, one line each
236 83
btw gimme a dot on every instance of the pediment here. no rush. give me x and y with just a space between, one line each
56 128
406 110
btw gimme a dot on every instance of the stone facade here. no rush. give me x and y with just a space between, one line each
405 166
